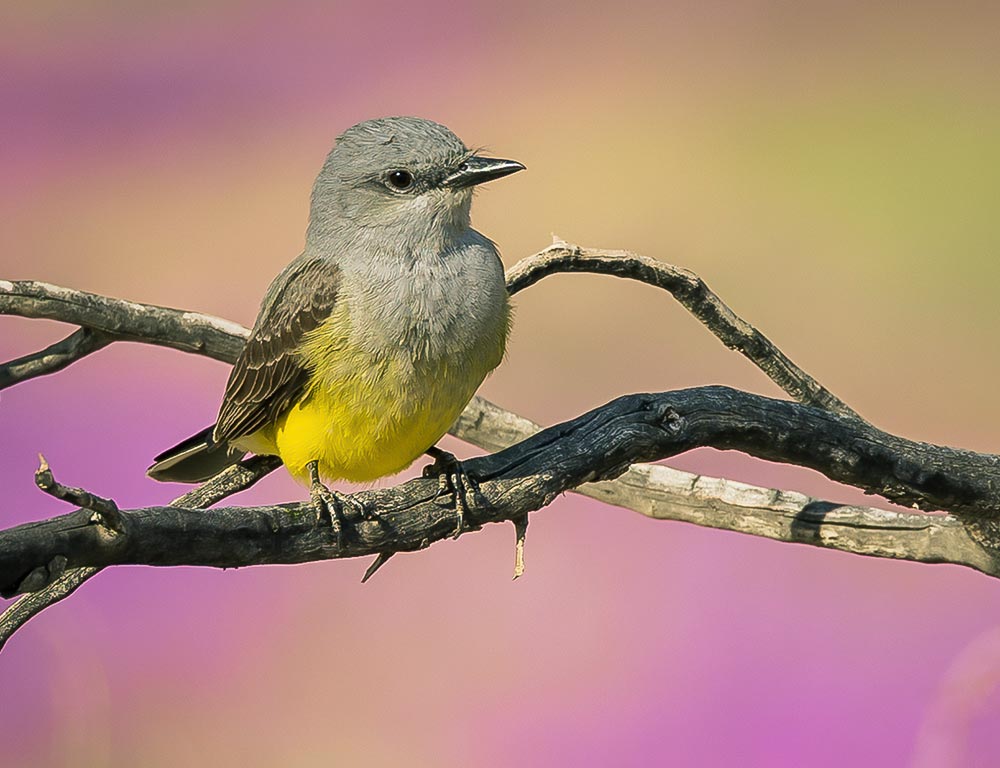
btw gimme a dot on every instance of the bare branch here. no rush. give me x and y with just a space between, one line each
48 584
231 480
926 476
665 493
596 446
54 358
222 340
121 320
33 603
691 291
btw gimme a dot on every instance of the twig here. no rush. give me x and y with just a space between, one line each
231 480
105 510
53 358
33 603
380 559
520 534
691 291
50 585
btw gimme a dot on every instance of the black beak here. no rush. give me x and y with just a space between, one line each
477 170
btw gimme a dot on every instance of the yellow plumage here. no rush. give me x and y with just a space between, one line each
368 345
367 414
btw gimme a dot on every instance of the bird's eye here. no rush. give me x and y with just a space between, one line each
400 179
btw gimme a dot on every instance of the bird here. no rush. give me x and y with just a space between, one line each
370 343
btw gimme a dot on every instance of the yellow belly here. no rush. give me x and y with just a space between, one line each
358 438
362 417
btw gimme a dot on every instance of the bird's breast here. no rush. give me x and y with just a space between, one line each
393 367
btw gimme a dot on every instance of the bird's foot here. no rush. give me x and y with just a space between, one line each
452 478
331 507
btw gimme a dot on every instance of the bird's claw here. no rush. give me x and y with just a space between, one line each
331 506
453 479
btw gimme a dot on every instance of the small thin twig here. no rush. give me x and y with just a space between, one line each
53 587
520 533
105 510
53 358
231 480
380 559
33 603
691 291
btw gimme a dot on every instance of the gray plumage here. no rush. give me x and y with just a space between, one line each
423 292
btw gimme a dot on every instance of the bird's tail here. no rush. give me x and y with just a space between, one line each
194 460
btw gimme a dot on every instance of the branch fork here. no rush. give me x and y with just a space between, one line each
48 560
105 511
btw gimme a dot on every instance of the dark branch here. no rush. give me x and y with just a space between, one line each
596 446
925 476
692 292
54 358
59 587
49 583
105 511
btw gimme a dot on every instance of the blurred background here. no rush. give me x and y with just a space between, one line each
831 169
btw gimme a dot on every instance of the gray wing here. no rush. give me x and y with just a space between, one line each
269 376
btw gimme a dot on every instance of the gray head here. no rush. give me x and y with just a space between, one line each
410 176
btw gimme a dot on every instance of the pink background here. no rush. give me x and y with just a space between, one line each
831 170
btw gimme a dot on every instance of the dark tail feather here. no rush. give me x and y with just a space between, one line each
194 460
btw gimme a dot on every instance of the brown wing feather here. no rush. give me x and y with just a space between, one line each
269 376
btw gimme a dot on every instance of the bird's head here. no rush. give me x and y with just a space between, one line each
410 176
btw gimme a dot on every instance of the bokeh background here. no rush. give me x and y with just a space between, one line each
831 169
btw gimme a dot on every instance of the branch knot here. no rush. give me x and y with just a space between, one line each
669 418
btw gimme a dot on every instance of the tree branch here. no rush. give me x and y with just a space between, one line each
223 340
54 358
598 445
51 582
925 476
693 293
665 493
33 603
121 320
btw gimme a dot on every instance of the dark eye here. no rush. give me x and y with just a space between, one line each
401 179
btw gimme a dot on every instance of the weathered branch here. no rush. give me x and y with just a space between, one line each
61 584
77 345
121 320
598 445
665 493
692 292
223 340
51 582
925 476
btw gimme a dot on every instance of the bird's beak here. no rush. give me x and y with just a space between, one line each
476 170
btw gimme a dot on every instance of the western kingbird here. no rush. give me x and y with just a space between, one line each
368 345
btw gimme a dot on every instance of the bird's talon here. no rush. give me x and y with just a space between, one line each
453 479
329 504
444 488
